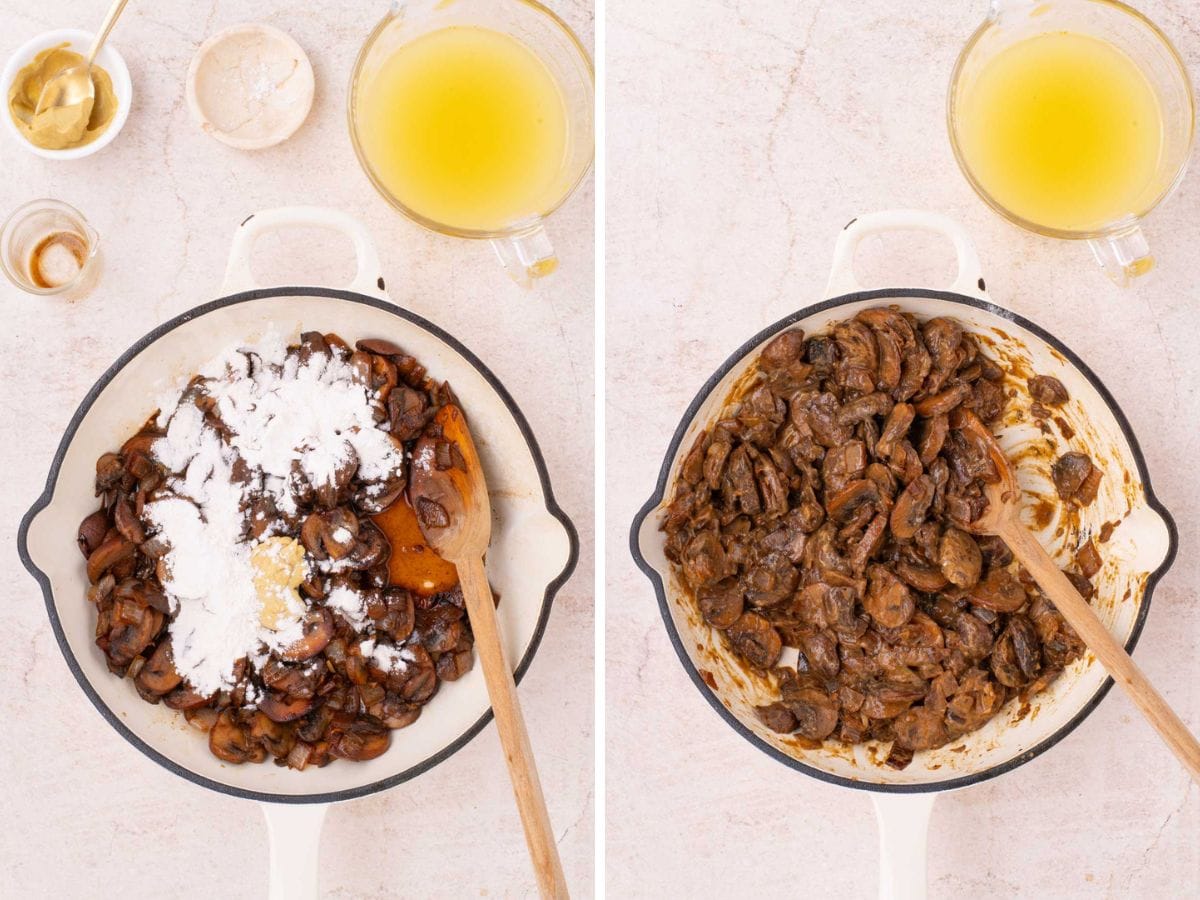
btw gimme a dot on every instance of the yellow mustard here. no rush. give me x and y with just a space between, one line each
64 127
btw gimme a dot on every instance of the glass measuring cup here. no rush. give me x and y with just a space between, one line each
1117 243
522 244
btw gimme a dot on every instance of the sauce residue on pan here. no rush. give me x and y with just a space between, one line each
413 563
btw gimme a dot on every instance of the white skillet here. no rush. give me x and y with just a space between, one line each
1139 552
533 550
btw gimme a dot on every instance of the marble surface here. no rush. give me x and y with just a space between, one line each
83 808
742 136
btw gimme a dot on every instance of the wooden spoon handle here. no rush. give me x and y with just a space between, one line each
511 724
1112 655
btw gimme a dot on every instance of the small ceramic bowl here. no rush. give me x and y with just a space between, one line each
250 86
108 59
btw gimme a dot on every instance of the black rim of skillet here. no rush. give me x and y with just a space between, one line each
661 488
245 297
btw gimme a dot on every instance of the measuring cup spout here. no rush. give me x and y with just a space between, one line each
1125 256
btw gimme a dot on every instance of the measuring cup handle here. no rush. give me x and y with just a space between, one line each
368 277
969 279
294 834
903 835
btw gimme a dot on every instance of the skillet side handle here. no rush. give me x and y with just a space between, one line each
368 273
968 280
903 834
294 833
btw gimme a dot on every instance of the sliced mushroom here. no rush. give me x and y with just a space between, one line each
128 639
318 632
1070 472
888 600
846 502
815 711
909 510
231 741
921 729
158 675
365 739
113 550
1048 390
127 522
279 708
999 592
92 531
959 558
756 640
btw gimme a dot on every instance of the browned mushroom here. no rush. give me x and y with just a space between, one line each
318 632
888 600
92 531
1048 390
959 558
815 711
113 549
129 638
279 708
1070 472
910 508
127 522
158 675
292 680
920 729
756 640
365 739
999 592
229 740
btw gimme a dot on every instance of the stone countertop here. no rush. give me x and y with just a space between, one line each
83 807
742 136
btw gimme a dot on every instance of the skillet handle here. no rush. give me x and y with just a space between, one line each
903 833
294 833
969 279
368 277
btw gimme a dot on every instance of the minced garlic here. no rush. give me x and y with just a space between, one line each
279 570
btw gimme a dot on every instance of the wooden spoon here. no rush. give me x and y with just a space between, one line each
456 518
1000 519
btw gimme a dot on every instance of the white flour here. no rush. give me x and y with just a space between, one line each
388 658
283 413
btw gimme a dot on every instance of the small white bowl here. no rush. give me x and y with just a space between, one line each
250 116
108 59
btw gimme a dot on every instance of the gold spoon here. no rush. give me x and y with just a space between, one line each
73 86
1000 519
455 515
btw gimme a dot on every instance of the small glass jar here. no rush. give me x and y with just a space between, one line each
48 247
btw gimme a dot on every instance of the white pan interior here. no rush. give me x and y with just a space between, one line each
530 547
1139 545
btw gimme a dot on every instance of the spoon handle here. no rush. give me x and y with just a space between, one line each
502 691
1112 655
106 26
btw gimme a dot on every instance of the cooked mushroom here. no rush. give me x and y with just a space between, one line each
158 675
959 558
1048 390
365 739
829 509
318 632
229 740
756 640
279 708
